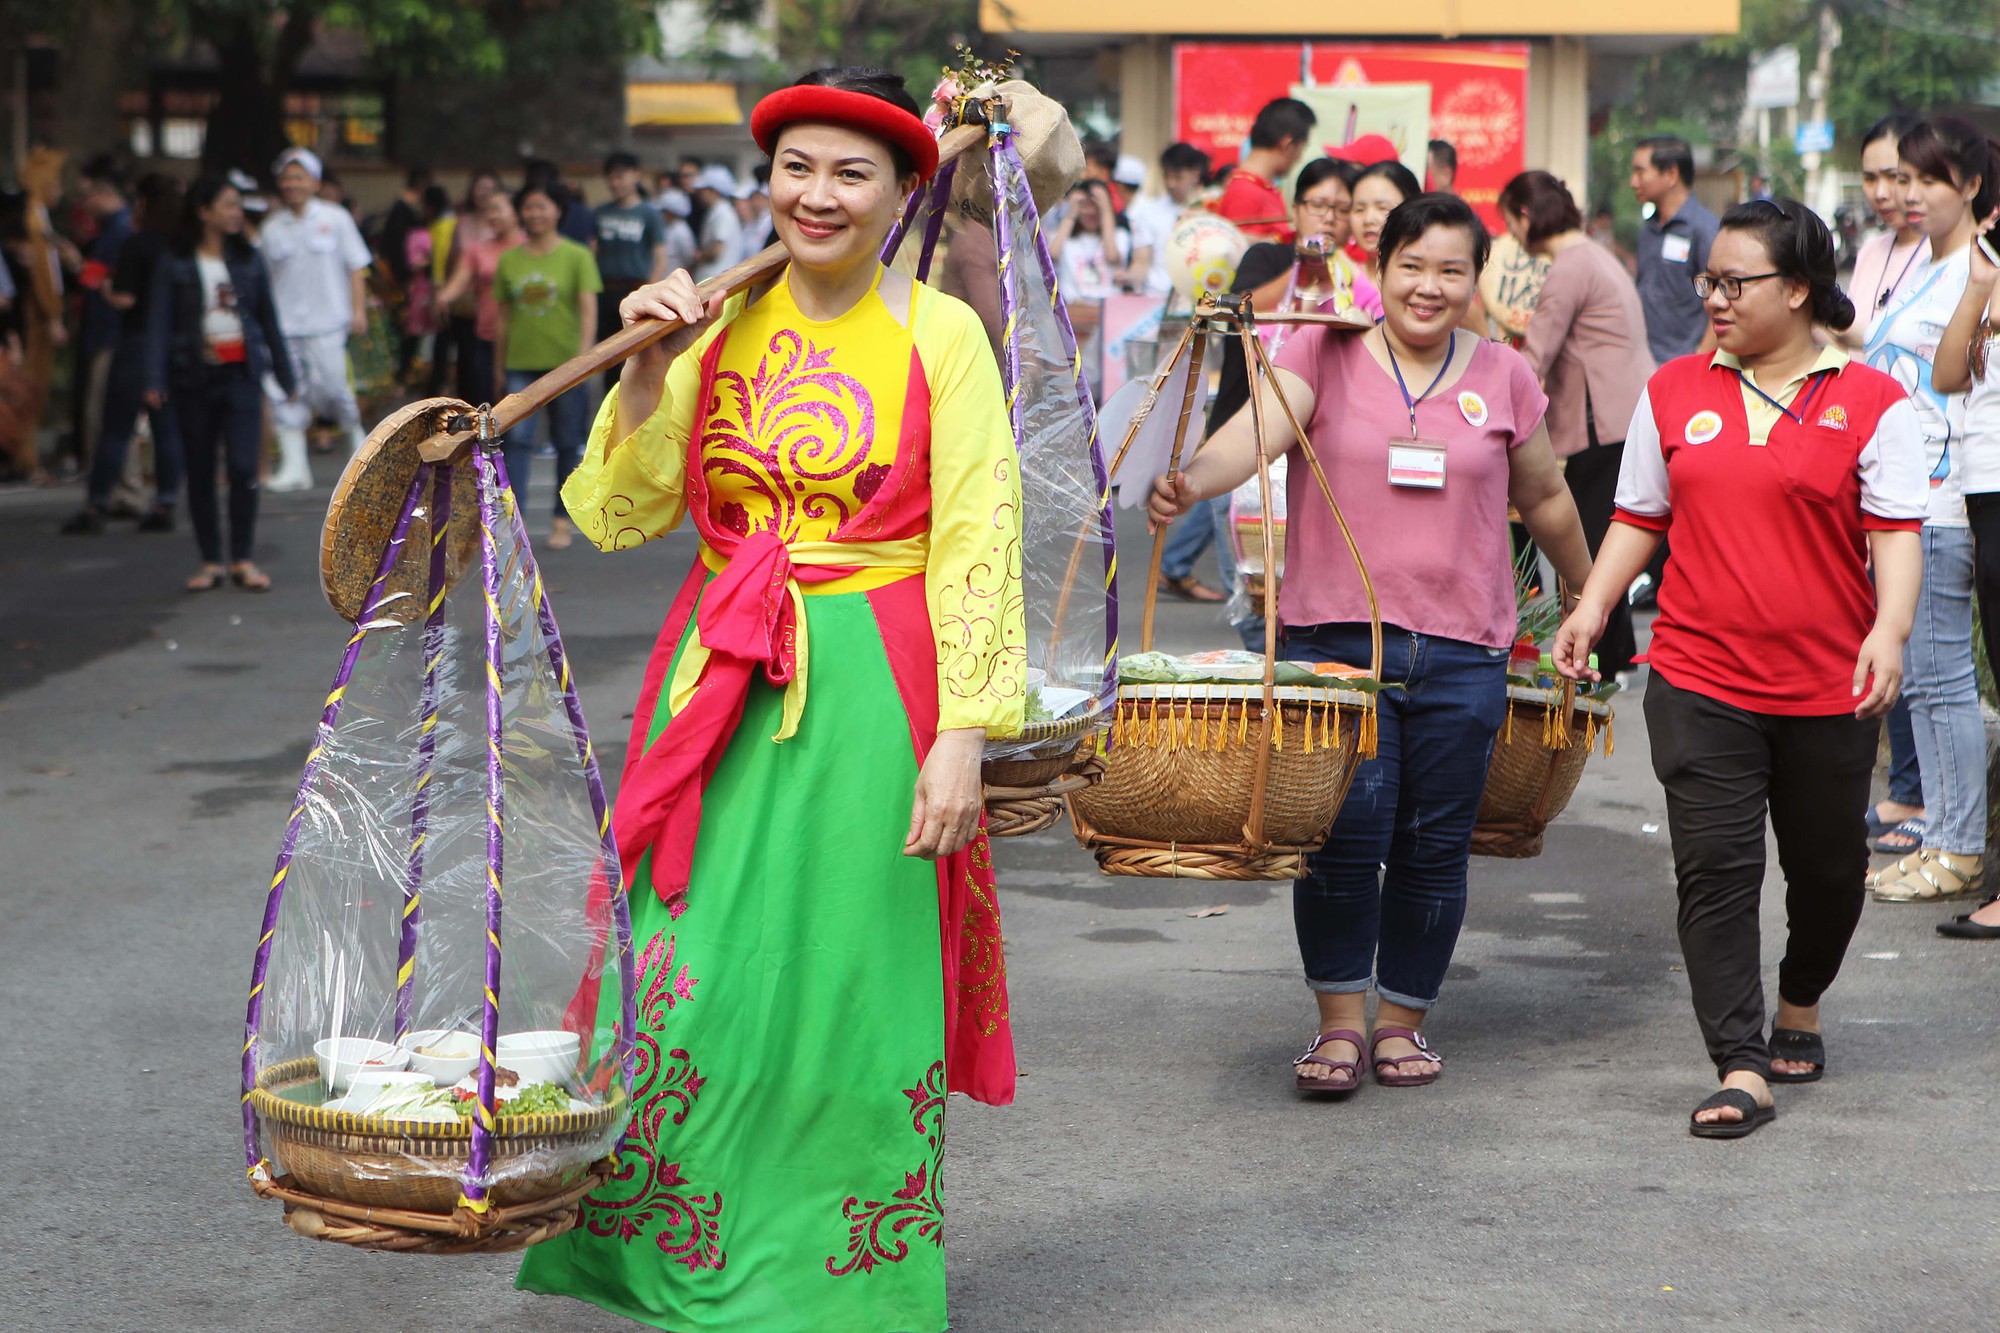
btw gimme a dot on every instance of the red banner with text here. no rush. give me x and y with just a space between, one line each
1472 94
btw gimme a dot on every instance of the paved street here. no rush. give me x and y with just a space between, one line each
1156 1173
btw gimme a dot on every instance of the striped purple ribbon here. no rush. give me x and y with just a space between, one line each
489 1028
420 798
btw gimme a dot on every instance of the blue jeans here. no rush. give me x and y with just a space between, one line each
1906 779
1940 682
568 425
1207 522
1383 901
124 399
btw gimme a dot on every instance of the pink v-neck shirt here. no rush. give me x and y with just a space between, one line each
1441 559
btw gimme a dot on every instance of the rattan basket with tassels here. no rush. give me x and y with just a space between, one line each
1538 761
1227 782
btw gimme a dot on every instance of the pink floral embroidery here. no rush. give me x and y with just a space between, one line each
665 989
644 1187
795 422
875 1229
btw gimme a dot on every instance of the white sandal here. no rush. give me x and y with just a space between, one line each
1933 879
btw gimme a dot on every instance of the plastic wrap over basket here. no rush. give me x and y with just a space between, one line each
432 874
1002 269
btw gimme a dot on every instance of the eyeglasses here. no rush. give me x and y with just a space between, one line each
1731 288
1320 209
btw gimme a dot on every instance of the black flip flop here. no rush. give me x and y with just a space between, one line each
1754 1118
1799 1047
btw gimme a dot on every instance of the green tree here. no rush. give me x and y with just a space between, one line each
260 43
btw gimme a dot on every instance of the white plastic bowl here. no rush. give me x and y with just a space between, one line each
444 1070
539 1057
340 1058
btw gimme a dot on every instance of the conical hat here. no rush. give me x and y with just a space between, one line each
1048 146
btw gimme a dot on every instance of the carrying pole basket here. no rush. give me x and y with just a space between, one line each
1538 761
1228 782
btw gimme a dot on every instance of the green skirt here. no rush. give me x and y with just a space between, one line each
783 1167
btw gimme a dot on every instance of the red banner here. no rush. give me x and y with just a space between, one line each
1478 99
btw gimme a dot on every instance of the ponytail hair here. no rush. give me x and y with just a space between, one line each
1949 149
1801 250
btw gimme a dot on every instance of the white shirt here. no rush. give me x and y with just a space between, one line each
1904 344
720 225
1086 272
312 256
1152 220
751 242
681 245
221 322
1882 276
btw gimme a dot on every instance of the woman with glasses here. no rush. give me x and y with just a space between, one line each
1948 173
1781 468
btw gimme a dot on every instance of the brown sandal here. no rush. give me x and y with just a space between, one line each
208 580
1395 1078
1188 590
1342 1076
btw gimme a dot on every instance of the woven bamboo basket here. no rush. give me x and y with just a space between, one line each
1185 758
1229 782
1047 762
368 1180
1538 760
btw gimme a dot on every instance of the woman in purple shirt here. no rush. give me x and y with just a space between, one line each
1427 434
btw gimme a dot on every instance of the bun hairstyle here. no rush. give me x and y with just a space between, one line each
1545 202
876 83
1413 217
1947 148
1801 250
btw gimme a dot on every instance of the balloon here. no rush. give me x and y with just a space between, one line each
1202 254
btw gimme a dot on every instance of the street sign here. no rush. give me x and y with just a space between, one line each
1813 136
1774 80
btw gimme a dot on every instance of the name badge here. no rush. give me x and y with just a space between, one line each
1418 464
1675 249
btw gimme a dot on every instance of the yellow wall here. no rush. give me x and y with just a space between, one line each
1436 18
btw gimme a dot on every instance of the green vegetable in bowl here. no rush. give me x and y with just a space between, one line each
1037 711
539 1099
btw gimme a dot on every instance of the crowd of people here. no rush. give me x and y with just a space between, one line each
212 323
1833 522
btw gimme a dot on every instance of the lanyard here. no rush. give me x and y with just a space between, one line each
1409 402
1804 400
1882 301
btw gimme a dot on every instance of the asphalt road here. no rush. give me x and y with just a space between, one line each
1156 1172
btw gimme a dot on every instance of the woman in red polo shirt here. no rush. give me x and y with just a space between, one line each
1781 469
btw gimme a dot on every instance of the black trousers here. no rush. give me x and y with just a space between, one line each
1593 483
608 321
1982 513
1723 767
221 414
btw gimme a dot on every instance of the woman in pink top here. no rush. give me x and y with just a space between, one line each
1427 434
477 262
1587 341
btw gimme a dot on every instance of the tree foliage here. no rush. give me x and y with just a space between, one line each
260 43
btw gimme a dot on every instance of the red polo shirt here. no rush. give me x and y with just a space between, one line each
1249 198
1766 596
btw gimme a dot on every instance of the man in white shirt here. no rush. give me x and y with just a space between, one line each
319 273
721 234
1183 168
674 209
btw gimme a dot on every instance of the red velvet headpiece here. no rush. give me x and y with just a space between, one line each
856 111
